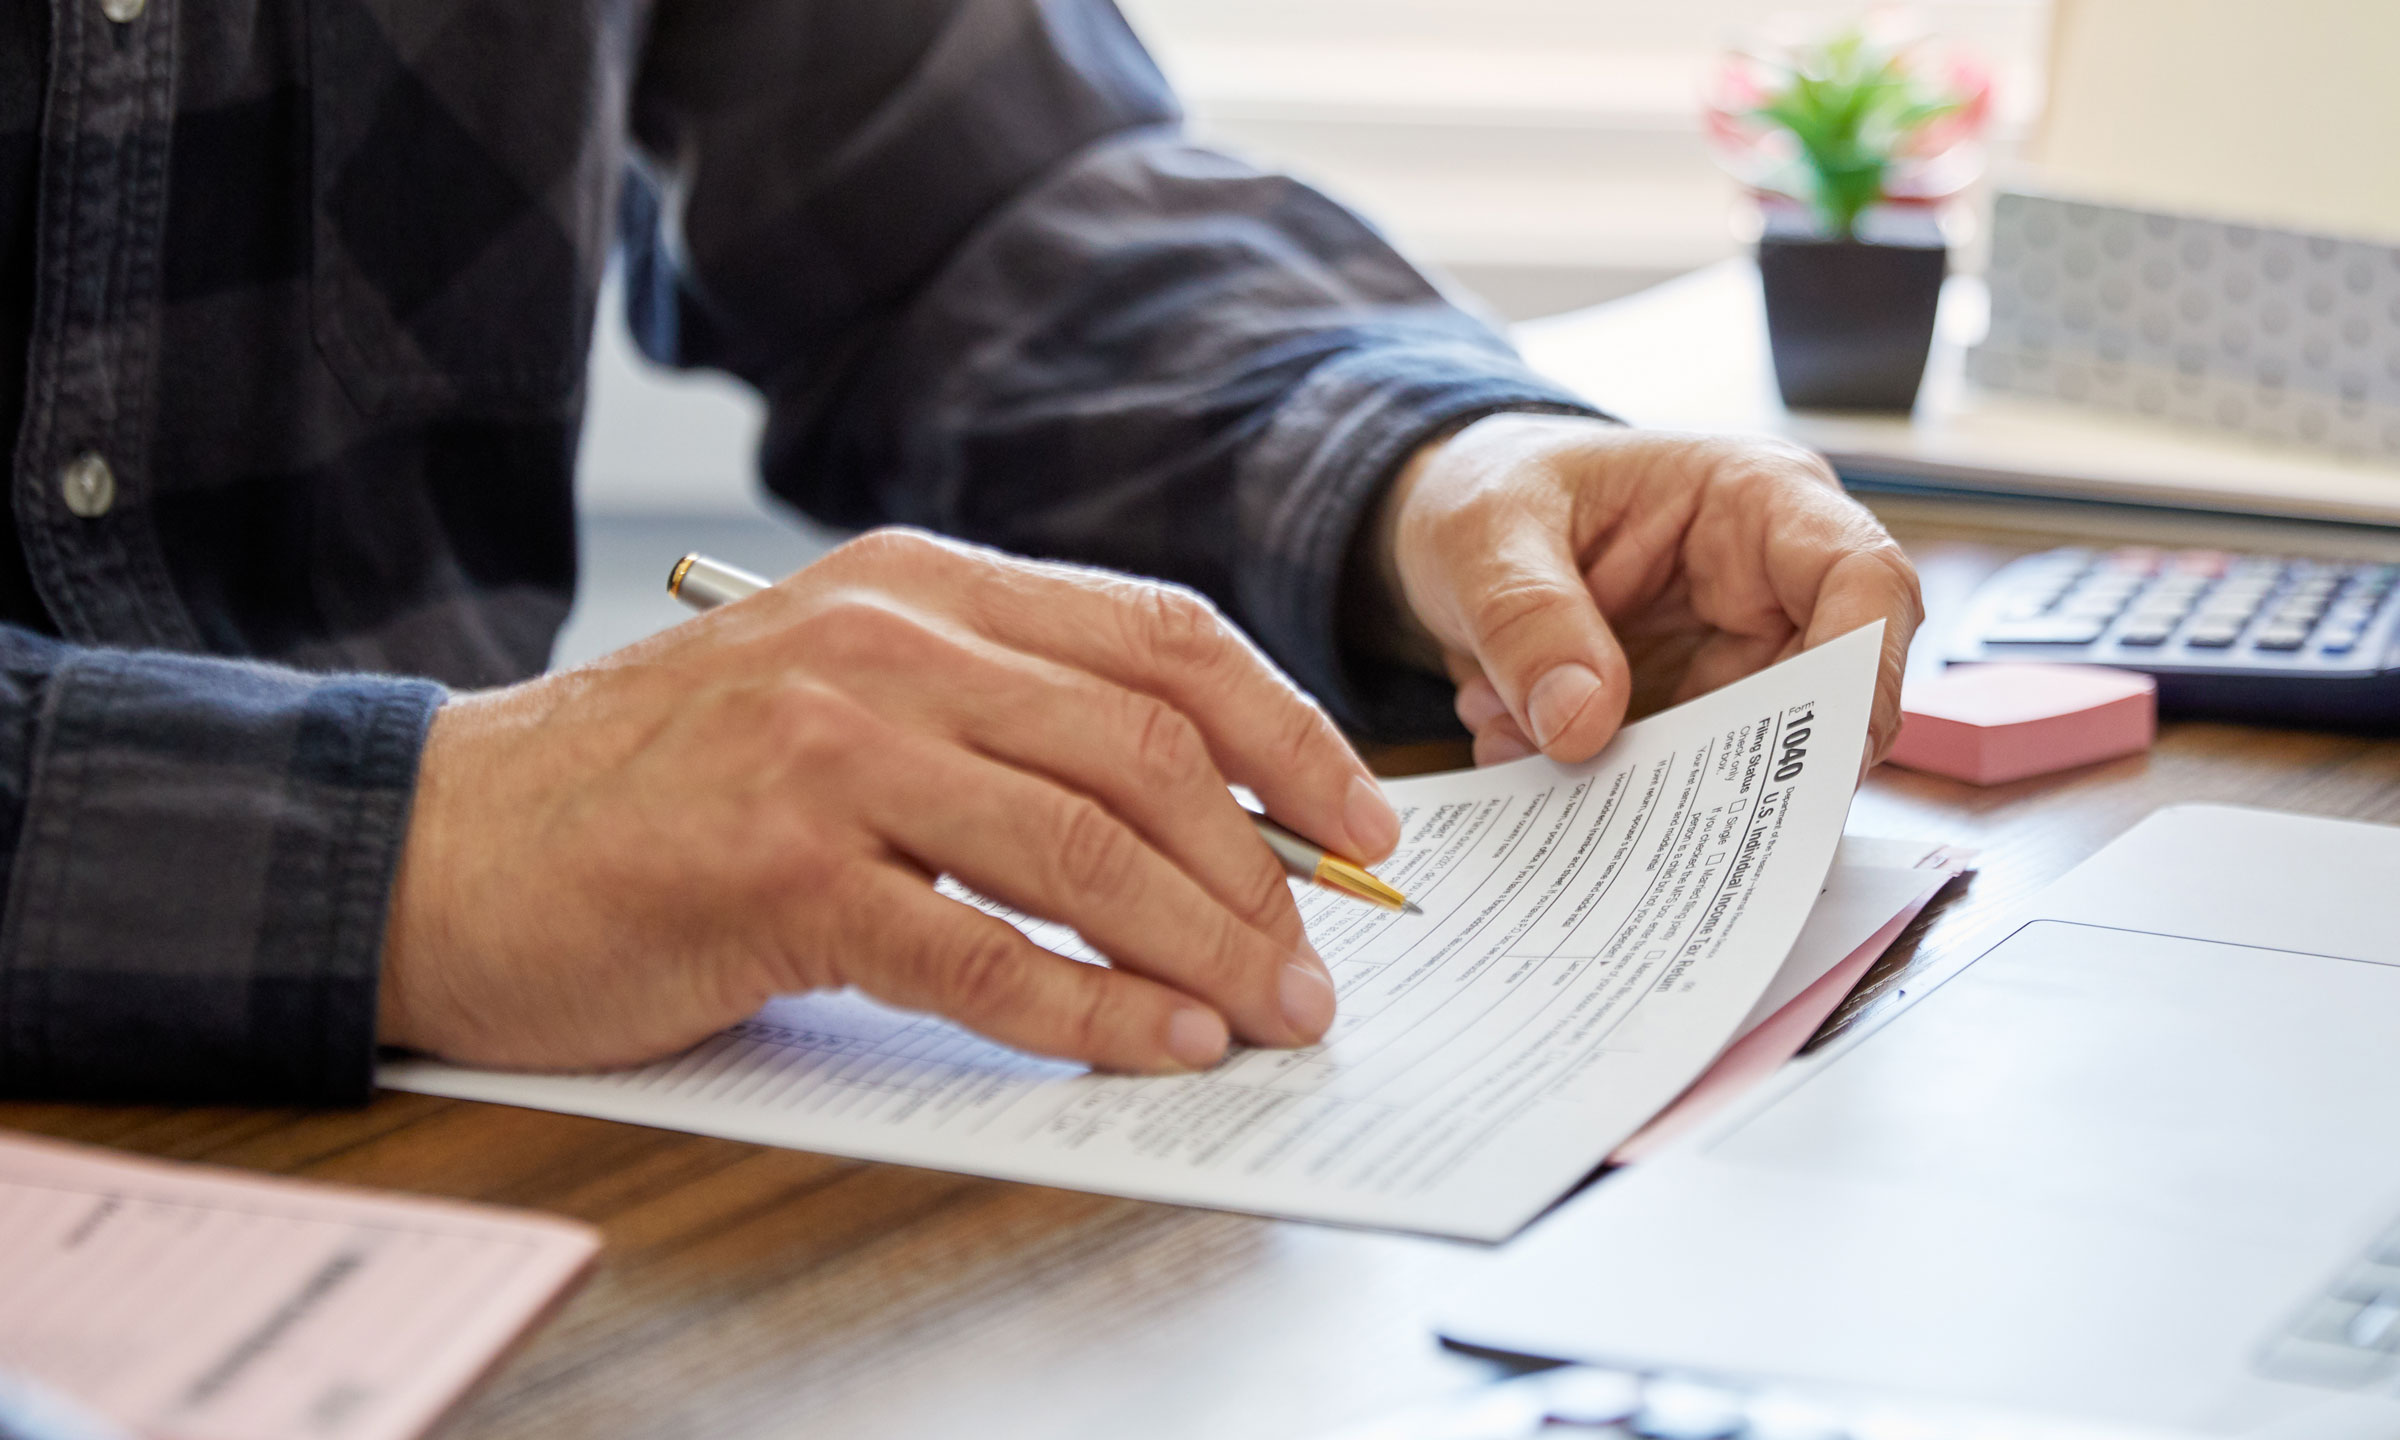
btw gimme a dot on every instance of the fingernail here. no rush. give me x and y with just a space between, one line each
1374 826
1557 699
1308 1000
1196 1037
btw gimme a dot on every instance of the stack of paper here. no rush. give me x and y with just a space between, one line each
1593 938
1875 888
189 1303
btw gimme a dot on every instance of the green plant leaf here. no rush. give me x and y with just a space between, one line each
1852 106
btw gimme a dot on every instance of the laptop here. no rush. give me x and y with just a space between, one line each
2136 1162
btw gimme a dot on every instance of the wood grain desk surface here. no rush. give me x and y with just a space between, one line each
757 1292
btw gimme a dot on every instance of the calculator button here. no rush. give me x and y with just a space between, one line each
2144 636
2281 637
2213 637
2047 630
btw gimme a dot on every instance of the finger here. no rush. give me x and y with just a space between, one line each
1135 754
1171 644
1142 759
1533 626
1485 714
921 950
1479 704
1502 742
1862 587
1031 844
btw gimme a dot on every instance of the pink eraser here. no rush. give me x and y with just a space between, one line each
1990 724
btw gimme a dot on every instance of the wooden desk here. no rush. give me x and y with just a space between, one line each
754 1292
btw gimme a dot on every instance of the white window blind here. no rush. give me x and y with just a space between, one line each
1546 152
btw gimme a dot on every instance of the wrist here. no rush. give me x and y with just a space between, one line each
1382 619
418 922
1379 622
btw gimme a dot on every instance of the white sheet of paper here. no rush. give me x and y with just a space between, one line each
1858 900
1593 936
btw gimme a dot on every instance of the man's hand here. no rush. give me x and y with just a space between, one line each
1568 572
608 864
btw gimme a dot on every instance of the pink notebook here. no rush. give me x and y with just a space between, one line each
187 1303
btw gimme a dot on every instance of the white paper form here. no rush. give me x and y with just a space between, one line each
1592 938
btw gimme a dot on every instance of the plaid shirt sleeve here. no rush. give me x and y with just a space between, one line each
202 852
990 289
960 245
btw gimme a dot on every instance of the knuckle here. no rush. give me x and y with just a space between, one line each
889 544
1093 854
984 975
815 724
1883 552
1777 458
805 864
1087 1024
1507 607
1167 746
854 627
1229 962
1266 900
1180 627
1302 738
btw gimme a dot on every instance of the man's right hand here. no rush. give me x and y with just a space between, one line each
608 864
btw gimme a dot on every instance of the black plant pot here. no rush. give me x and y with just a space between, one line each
1850 320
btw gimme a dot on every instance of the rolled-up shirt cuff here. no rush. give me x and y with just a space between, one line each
197 907
1312 480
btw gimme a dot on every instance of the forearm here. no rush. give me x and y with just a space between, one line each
1165 361
998 295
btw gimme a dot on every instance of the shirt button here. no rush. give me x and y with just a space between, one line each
88 486
124 12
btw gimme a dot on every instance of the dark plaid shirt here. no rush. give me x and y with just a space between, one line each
297 295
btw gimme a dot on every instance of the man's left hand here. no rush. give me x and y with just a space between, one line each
1569 572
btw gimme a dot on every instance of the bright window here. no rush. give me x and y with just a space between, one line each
1546 152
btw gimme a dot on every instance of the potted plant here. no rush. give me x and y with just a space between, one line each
1850 142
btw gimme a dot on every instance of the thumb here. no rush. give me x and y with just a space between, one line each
1535 629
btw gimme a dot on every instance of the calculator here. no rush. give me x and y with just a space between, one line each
2276 638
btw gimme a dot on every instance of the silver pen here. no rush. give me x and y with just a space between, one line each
704 584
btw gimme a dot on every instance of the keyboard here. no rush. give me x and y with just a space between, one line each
2275 638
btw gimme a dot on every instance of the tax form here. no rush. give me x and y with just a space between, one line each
1592 937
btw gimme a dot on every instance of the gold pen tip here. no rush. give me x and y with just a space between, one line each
1355 880
682 568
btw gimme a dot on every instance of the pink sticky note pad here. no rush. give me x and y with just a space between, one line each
1990 724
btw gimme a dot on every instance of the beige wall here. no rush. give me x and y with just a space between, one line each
2280 112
